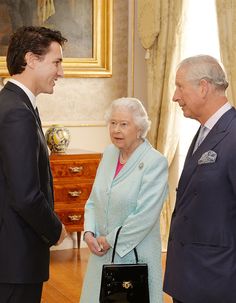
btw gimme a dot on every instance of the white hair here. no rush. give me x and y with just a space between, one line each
136 108
204 67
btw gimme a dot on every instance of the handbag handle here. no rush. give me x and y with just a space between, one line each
114 248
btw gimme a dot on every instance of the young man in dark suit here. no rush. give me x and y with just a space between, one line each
201 256
28 224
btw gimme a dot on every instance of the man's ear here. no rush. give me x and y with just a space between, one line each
30 59
204 87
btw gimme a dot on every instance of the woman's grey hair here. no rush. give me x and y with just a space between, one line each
137 110
204 67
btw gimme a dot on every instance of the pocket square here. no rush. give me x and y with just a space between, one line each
208 157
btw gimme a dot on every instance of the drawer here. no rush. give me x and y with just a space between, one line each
71 193
72 219
75 168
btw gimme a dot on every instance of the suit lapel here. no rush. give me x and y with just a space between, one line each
133 161
38 117
215 136
25 99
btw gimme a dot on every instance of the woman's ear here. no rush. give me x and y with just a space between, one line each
139 134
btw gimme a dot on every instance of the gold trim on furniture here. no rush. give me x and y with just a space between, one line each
74 217
100 65
76 169
75 193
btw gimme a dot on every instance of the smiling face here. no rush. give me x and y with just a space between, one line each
124 133
189 95
47 69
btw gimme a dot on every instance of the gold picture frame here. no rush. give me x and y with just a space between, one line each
100 63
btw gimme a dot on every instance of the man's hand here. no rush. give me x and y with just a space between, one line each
63 235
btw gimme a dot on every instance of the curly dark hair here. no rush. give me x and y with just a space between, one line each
33 39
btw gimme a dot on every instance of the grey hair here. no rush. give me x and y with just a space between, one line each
137 110
205 67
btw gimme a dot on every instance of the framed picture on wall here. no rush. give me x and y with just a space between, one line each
87 24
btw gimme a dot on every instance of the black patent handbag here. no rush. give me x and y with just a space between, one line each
124 283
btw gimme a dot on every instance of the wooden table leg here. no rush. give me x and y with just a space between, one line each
78 239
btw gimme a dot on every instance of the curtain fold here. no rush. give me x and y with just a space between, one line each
160 25
226 17
149 17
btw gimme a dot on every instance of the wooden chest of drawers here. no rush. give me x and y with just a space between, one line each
73 175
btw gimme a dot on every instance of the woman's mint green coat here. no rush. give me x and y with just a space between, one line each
133 199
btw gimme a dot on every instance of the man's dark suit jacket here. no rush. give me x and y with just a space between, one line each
28 225
201 256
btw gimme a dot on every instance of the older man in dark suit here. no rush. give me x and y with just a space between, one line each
201 257
28 224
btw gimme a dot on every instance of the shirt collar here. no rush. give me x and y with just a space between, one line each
217 115
26 90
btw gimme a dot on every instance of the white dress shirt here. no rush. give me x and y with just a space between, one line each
206 128
26 90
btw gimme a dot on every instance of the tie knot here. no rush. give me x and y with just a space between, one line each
203 130
202 134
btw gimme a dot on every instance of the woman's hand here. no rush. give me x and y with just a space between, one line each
104 245
93 244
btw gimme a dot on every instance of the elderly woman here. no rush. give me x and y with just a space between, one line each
129 190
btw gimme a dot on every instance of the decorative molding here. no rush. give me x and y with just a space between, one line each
75 124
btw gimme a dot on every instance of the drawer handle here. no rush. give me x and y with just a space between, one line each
74 217
75 193
76 169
